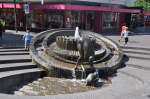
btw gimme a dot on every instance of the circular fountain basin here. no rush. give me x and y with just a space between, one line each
61 62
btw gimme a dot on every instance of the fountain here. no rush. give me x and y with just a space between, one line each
77 55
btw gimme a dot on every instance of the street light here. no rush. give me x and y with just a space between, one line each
15 15
26 10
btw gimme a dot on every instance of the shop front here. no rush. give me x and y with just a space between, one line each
94 18
8 15
48 16
147 18
45 19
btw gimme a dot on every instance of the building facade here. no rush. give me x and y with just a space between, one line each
147 18
94 15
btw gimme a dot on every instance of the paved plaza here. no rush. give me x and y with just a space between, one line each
131 82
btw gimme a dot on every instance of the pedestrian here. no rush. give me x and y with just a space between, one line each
123 29
2 28
125 35
27 39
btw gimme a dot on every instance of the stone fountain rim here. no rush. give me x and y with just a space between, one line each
82 95
47 65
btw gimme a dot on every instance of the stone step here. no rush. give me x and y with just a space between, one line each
138 56
13 53
142 52
18 72
11 81
139 66
137 53
14 58
16 66
12 50
15 61
136 48
11 47
138 63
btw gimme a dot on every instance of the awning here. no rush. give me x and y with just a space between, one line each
83 8
10 5
147 13
71 7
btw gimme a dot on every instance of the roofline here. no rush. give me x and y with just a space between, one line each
65 2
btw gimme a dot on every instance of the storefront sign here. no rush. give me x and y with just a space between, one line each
26 8
120 2
10 5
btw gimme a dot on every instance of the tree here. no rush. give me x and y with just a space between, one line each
19 0
143 3
147 1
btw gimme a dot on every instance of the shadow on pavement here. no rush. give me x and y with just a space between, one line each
11 40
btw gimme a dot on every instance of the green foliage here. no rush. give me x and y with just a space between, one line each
19 0
1 23
143 3
147 1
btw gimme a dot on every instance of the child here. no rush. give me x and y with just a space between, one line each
125 35
123 29
27 39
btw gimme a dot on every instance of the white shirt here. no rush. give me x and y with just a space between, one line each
125 34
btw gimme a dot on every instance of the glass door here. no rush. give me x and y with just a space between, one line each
89 21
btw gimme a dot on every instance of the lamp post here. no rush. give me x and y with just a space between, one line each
26 10
15 15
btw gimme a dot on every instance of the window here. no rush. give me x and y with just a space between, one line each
109 20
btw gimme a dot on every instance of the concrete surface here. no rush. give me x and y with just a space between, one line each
131 82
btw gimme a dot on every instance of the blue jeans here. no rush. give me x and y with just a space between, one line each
26 44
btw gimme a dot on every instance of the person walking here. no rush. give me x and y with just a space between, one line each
125 35
27 39
123 29
2 28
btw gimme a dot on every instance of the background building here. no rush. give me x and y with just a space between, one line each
94 15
